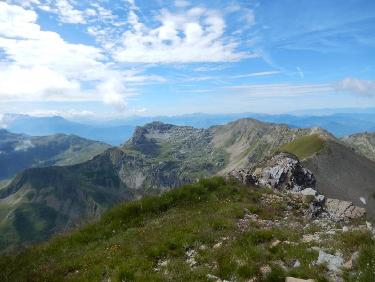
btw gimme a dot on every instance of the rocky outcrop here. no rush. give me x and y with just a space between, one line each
282 171
344 210
285 172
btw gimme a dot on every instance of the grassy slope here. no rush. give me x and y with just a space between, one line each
305 146
130 240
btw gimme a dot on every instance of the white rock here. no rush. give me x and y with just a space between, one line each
292 279
212 277
203 247
308 192
217 245
369 225
265 269
334 262
307 238
363 200
345 229
275 243
320 198
297 263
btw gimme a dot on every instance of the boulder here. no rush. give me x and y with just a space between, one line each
309 192
292 279
333 262
283 170
343 210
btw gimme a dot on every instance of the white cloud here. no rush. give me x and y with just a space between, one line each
356 86
68 14
69 11
254 74
36 83
351 85
113 94
248 16
70 113
40 66
202 78
24 3
210 68
195 35
300 72
282 89
181 3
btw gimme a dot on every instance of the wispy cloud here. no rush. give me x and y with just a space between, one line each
300 72
254 74
282 89
356 86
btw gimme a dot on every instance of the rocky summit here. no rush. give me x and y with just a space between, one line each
281 171
284 172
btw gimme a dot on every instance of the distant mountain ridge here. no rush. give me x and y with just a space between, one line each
41 126
20 151
115 132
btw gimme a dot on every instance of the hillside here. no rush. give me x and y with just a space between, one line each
305 146
19 151
246 233
363 143
157 158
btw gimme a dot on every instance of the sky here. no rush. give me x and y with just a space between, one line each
112 59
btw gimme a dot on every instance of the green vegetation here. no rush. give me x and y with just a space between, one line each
304 146
149 240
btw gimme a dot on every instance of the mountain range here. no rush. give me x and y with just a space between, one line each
40 202
41 126
116 132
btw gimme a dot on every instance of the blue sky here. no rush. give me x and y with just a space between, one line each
108 59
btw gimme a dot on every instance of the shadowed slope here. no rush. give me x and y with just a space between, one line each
343 174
